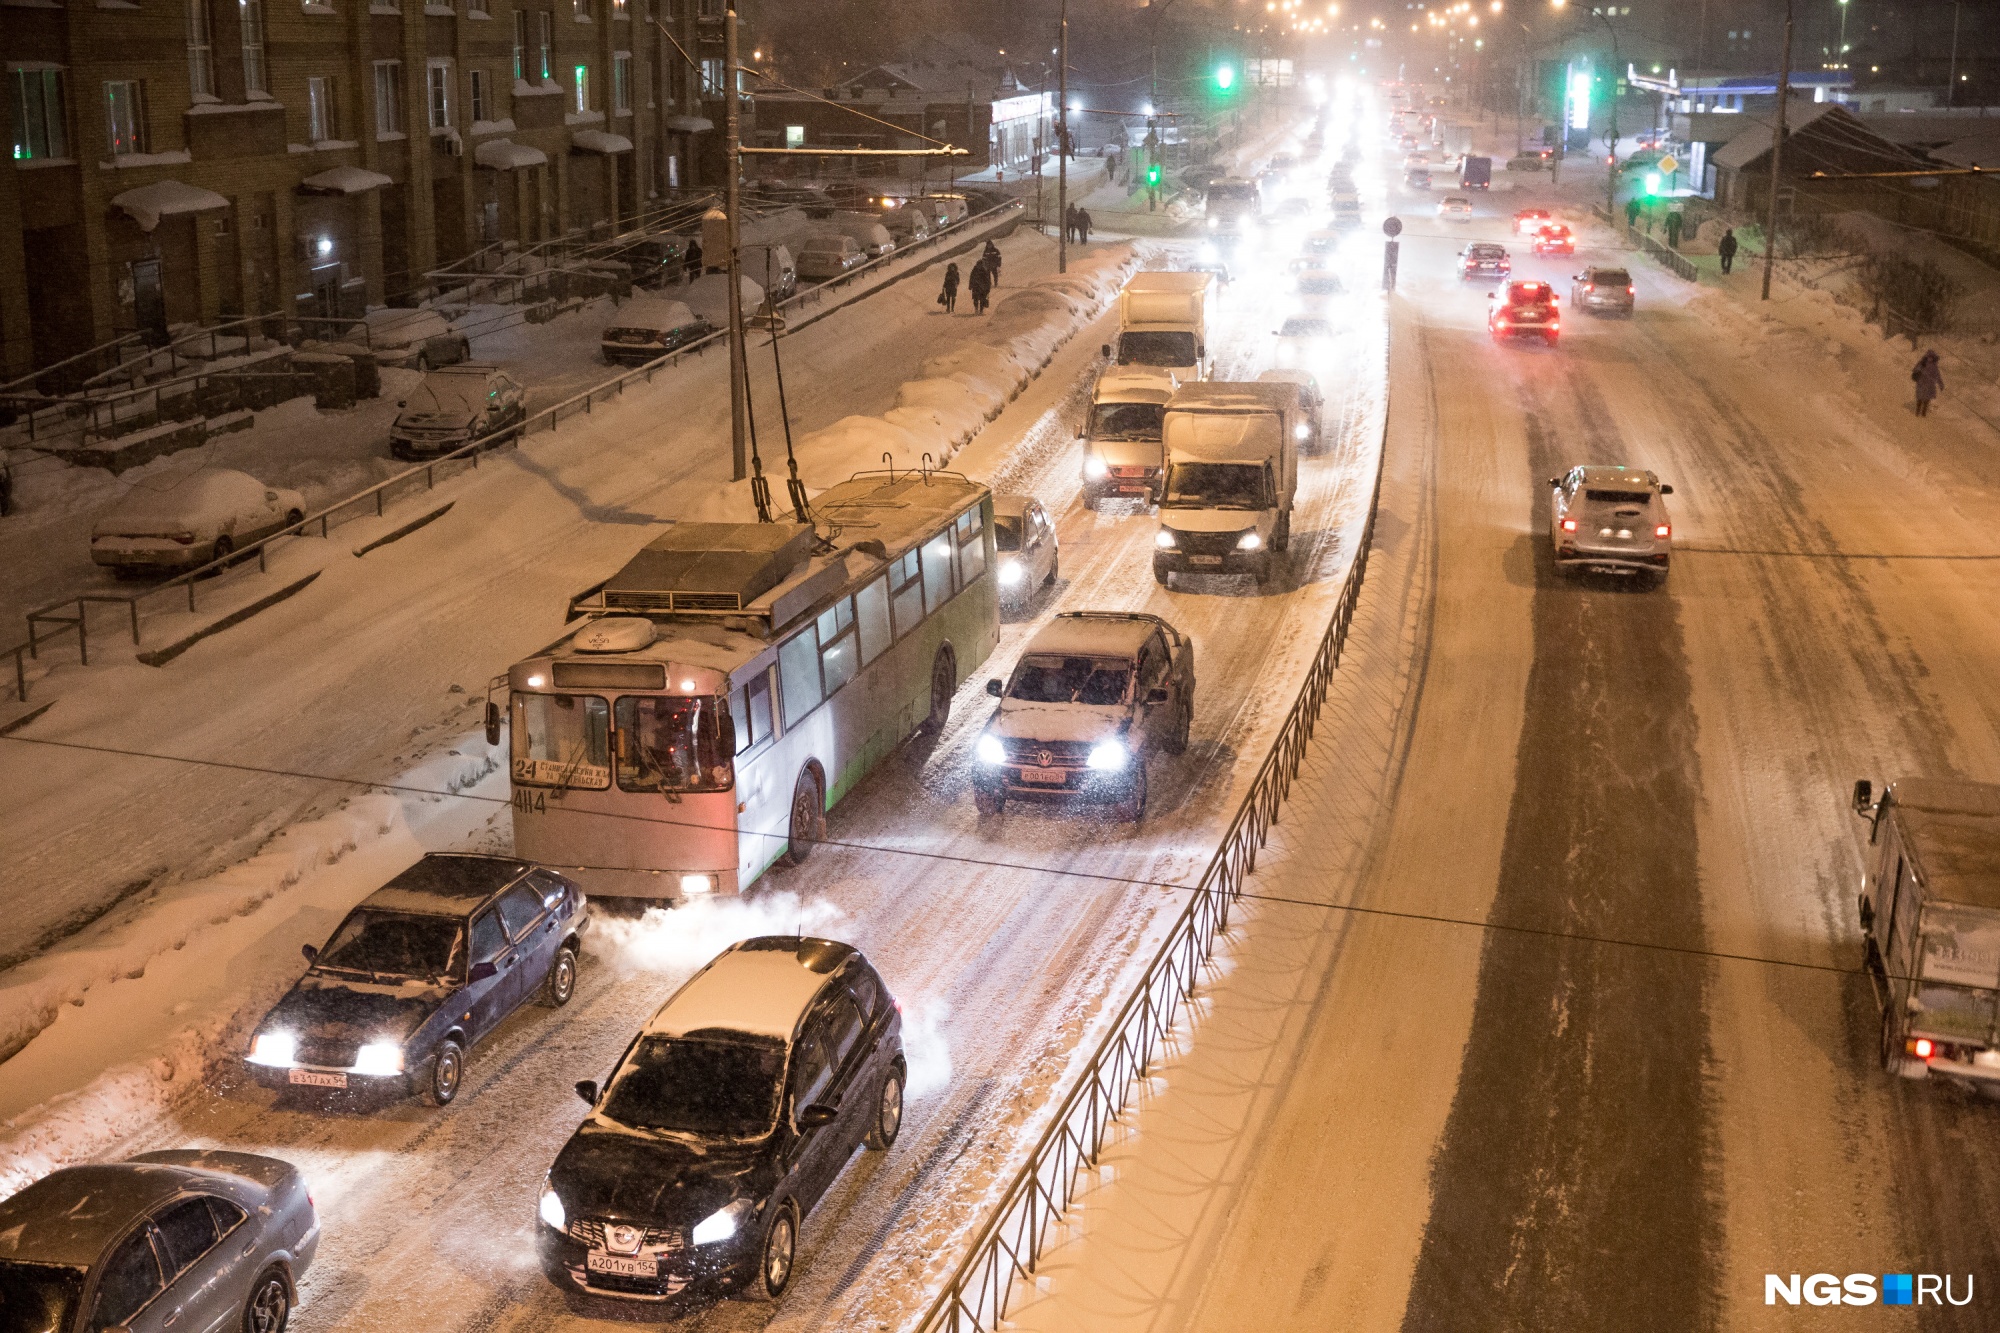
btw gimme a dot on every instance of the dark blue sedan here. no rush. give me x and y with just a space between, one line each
421 970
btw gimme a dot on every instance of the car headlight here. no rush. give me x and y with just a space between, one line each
720 1224
277 1049
1010 572
1096 468
1213 223
1108 756
989 750
1164 539
379 1057
552 1210
1300 431
1249 541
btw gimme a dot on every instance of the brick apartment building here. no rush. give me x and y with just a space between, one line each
213 158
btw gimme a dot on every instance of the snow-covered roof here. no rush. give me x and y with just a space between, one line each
187 495
761 988
1753 141
345 180
1090 636
398 327
147 204
708 296
1600 474
597 141
506 155
690 124
1952 831
1215 396
446 885
1974 150
651 312
1135 384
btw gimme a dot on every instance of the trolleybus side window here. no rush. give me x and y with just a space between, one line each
837 646
750 704
562 740
971 546
798 674
871 611
939 580
671 742
905 578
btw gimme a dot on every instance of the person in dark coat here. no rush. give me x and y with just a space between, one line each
1083 226
1929 379
1069 222
990 257
980 284
691 269
1674 230
1631 213
1726 248
948 298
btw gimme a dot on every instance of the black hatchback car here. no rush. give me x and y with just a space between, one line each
726 1119
423 968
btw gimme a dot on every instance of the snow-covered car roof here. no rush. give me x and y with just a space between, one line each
443 884
400 328
187 495
708 296
1011 506
1136 384
760 987
656 313
1601 474
462 388
69 1216
1092 635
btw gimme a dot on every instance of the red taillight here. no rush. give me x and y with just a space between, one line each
1922 1048
1631 291
1569 525
1590 286
1663 531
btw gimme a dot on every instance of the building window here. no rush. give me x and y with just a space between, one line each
621 9
545 25
580 10
711 78
582 89
388 97
520 43
438 77
621 82
482 108
41 123
201 57
250 16
321 124
125 114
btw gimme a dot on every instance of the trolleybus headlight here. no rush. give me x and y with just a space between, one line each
1109 756
1164 539
990 750
697 884
1010 572
276 1049
1249 541
1095 468
552 1210
379 1057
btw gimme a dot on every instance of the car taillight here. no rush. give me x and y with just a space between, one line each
1663 530
1590 286
1569 525
1631 291
1922 1048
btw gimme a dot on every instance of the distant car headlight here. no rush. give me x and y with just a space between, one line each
1214 223
1301 431
720 1224
552 1210
1096 468
1108 756
277 1049
379 1057
1011 573
990 751
1164 539
1249 541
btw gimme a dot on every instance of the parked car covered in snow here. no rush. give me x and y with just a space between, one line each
773 267
708 297
908 225
415 339
867 231
184 520
646 328
827 255
454 407
420 970
183 1239
948 210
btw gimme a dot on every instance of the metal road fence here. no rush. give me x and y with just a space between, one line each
1673 260
70 615
1009 1247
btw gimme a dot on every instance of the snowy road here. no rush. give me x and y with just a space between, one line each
1652 1078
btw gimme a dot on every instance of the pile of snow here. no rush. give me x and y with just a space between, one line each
966 385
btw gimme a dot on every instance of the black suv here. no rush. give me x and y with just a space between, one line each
424 967
729 1115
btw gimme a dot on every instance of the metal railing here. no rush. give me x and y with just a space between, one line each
70 615
1008 1248
1673 260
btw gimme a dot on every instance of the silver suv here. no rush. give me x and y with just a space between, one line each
1611 520
1095 695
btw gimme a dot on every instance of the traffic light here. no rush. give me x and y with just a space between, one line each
1225 77
1153 176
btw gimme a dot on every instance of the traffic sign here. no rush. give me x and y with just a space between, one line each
1668 166
1392 226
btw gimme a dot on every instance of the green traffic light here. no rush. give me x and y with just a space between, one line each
1153 174
1225 77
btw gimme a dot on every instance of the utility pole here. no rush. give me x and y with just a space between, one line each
1777 152
1951 77
1611 139
739 436
1062 139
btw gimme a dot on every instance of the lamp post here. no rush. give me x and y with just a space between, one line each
1777 152
1611 139
1062 139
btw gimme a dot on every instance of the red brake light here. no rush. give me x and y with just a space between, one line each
1631 291
1569 525
1922 1048
1663 530
1590 286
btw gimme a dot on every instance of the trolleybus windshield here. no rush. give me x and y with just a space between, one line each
562 740
672 743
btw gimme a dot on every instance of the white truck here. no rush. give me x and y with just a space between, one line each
1232 471
1163 321
1122 449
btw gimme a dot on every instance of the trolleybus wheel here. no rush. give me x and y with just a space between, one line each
808 821
944 683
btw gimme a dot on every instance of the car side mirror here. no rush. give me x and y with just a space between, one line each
492 723
1666 489
996 687
816 1116
1864 797
1157 695
483 971
1104 349
587 1089
311 951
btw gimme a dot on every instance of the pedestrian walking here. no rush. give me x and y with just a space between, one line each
991 258
980 285
1069 222
1929 379
1083 226
948 298
1631 213
691 268
1725 248
1674 230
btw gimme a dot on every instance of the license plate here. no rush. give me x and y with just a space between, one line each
1052 776
315 1079
622 1265
1204 560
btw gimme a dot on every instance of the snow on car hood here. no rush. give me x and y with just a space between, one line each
609 1170
1117 452
1210 520
353 1009
1018 720
445 400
